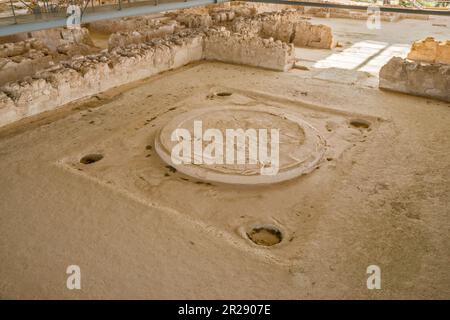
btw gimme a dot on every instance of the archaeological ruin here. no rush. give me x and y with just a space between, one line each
208 149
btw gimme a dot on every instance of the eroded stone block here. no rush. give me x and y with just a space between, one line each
222 45
416 78
430 50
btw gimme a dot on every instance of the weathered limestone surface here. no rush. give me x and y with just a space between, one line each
126 24
425 72
416 78
256 7
149 46
222 45
315 36
25 58
223 16
87 75
287 26
20 48
430 50
20 59
8 110
193 20
83 76
53 38
76 35
279 25
121 39
348 14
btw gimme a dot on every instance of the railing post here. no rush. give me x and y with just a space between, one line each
13 11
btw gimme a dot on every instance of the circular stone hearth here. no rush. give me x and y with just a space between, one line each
301 147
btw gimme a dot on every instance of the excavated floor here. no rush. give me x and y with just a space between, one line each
140 229
131 166
362 52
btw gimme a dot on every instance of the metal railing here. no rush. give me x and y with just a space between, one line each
383 8
58 18
53 13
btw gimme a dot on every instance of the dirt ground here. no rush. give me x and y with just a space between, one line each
139 230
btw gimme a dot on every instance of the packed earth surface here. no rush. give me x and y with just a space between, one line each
364 117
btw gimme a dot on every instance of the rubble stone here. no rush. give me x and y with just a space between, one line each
430 50
120 39
416 78
83 76
288 26
192 20
222 45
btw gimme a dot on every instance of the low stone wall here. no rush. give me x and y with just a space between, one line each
124 24
20 48
88 75
349 14
42 50
52 38
194 20
313 36
288 26
425 72
430 50
256 8
222 45
243 8
223 16
416 78
121 39
23 58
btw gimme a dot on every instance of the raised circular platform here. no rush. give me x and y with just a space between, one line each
301 147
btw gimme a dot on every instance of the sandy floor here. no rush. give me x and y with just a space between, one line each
366 51
139 230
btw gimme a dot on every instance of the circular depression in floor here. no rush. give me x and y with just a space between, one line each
265 235
300 146
91 158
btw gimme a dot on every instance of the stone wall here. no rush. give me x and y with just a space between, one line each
41 50
223 45
87 75
84 76
425 72
349 14
146 46
322 12
126 24
52 38
160 30
23 58
194 20
430 50
313 36
220 16
416 78
288 26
